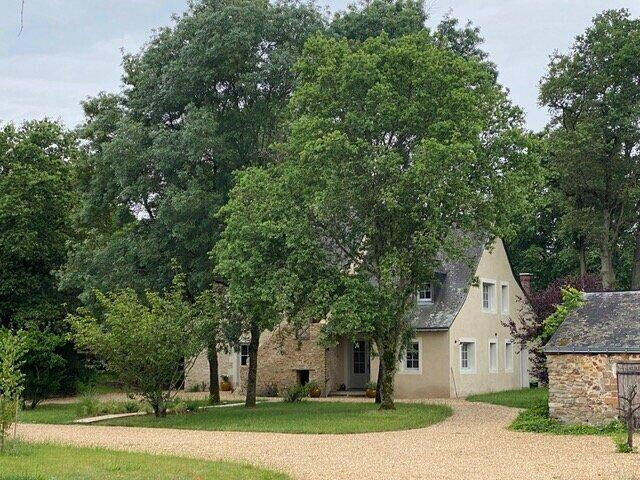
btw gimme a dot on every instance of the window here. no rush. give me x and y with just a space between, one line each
504 297
412 361
244 354
425 295
467 356
493 356
488 296
508 356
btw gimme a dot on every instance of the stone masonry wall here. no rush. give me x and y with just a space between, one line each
583 388
281 355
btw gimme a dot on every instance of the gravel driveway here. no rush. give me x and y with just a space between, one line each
473 444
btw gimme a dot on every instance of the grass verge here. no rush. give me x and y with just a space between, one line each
522 398
42 462
304 417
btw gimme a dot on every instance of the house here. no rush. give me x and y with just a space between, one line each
595 352
460 345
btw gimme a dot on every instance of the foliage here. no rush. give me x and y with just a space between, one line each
300 417
528 328
593 137
35 462
536 419
295 393
12 349
522 398
371 386
91 406
36 195
43 365
571 301
147 342
399 149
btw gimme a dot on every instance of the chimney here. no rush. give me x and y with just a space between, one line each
525 282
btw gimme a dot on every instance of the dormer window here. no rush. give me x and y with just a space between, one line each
425 295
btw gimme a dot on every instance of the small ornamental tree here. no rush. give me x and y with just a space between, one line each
12 349
147 342
528 328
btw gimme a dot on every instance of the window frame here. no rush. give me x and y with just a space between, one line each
496 368
469 370
493 300
243 346
412 371
425 301
508 357
503 310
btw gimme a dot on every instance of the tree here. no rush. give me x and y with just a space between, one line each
272 264
12 350
143 341
529 328
594 98
202 99
399 149
36 197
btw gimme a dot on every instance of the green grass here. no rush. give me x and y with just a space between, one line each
304 417
50 413
523 398
51 462
536 416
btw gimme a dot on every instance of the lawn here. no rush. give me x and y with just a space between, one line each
304 417
536 418
50 413
43 462
523 398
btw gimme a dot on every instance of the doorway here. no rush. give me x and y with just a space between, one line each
359 364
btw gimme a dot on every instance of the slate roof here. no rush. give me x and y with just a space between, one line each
451 290
607 322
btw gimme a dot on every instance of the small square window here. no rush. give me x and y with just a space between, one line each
467 357
425 295
508 356
493 356
412 361
244 354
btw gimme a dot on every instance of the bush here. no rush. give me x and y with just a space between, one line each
295 393
12 348
192 405
371 385
270 390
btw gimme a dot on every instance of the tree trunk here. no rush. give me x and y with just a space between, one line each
635 271
379 383
388 359
253 366
582 255
630 425
214 383
606 255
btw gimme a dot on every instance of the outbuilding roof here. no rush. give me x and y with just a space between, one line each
607 322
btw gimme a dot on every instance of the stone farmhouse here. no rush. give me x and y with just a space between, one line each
460 346
592 357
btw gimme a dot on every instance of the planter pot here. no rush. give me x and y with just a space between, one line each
371 393
315 392
225 386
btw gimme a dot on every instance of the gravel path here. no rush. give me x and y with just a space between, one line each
473 444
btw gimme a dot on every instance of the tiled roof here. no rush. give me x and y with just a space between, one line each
607 322
451 290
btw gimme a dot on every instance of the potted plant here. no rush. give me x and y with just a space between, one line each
225 384
314 389
371 389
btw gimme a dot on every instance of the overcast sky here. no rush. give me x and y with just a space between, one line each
71 49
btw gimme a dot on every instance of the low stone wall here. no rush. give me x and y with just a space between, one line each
583 388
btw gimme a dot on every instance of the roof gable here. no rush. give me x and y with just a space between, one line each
607 322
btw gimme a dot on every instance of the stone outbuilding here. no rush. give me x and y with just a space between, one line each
593 352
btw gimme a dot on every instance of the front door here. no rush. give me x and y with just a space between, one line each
359 364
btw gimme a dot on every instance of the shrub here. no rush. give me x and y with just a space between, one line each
88 405
371 385
192 405
295 393
180 407
270 390
142 341
12 349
